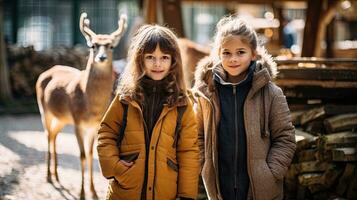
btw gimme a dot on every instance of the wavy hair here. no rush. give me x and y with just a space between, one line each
145 40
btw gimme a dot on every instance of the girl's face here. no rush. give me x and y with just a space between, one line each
157 64
235 55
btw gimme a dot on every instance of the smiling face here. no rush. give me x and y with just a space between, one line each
236 55
157 64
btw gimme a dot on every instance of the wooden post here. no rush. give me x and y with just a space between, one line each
150 11
5 91
165 12
278 12
313 14
325 19
318 17
330 39
172 15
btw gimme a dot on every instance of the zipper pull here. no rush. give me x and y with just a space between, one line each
234 90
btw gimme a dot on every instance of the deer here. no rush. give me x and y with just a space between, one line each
66 95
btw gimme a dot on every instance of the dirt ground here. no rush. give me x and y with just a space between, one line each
23 165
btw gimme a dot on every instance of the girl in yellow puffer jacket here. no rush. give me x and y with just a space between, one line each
158 155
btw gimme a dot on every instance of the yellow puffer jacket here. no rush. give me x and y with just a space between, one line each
171 172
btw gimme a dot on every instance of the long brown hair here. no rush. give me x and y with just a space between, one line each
145 40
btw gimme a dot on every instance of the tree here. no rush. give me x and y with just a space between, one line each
5 92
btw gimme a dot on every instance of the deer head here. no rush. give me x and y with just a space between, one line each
101 45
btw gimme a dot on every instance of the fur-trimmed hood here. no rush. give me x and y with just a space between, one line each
265 71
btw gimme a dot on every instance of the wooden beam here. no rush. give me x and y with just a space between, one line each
330 39
341 122
327 110
337 140
278 11
150 11
172 15
325 19
244 1
337 73
322 84
328 95
326 61
313 14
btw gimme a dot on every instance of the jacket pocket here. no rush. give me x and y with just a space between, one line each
130 157
172 164
266 185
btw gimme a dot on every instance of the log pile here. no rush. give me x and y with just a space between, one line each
26 64
329 80
322 97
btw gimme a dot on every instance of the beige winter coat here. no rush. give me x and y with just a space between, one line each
269 131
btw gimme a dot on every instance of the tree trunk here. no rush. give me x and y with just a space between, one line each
5 92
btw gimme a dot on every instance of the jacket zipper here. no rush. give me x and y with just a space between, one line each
152 109
147 144
147 149
153 102
235 138
153 185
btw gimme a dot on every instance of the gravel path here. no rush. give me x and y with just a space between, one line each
23 148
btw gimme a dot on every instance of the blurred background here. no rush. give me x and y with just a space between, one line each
314 43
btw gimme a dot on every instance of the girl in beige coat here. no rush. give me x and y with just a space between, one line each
245 132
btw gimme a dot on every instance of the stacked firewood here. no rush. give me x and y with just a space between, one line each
322 98
26 64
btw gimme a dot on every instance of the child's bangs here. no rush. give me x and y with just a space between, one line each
157 39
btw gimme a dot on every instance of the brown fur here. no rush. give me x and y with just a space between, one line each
66 95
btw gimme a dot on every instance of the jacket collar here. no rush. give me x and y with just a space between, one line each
265 70
127 100
222 78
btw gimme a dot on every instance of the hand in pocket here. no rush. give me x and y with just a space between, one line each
127 164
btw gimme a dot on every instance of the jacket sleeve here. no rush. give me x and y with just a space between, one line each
108 152
282 136
200 129
188 156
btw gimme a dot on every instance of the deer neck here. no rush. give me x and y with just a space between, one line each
98 81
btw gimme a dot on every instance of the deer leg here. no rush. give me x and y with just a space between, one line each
49 179
55 157
46 120
56 127
90 164
79 135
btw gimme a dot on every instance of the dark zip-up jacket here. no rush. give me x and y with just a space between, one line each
154 99
232 148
